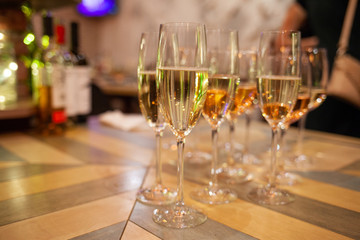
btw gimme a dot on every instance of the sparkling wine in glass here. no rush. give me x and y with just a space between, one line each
319 70
222 51
233 171
157 194
299 111
182 82
279 80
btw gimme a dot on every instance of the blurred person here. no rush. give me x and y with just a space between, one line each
321 23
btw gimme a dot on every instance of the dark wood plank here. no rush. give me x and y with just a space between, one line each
24 207
6 155
353 166
112 232
142 216
86 153
334 178
28 170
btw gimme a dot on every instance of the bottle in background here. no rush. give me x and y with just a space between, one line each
78 78
51 81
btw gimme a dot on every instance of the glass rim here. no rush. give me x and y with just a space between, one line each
281 31
182 24
215 29
295 33
149 32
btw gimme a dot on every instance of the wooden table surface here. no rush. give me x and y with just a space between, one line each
83 186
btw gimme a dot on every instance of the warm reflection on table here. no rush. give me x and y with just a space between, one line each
83 186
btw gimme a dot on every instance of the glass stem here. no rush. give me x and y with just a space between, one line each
230 159
180 170
300 141
273 164
214 162
247 131
281 148
159 134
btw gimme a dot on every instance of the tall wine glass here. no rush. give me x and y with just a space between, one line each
279 80
319 69
182 80
158 194
245 94
222 51
299 112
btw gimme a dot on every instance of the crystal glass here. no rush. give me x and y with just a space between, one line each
319 70
222 51
299 111
279 80
182 81
157 194
232 171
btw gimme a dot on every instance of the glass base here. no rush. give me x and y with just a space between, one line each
178 216
286 178
213 194
156 195
302 161
197 157
250 159
270 196
233 175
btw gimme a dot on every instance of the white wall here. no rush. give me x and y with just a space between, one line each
114 39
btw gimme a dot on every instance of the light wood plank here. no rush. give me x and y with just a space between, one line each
73 221
329 156
327 193
132 231
86 153
144 139
115 146
11 164
58 179
35 151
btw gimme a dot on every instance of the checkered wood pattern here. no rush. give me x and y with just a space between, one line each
82 186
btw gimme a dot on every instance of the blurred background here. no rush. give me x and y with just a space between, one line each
108 36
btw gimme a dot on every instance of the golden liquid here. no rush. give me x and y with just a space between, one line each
182 96
220 96
244 97
300 109
148 100
47 124
277 97
318 96
275 111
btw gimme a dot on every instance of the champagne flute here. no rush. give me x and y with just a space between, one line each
244 97
319 69
279 79
148 101
182 81
299 111
222 51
